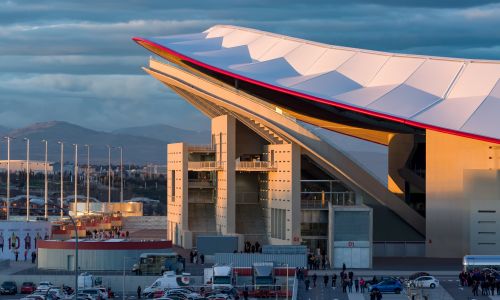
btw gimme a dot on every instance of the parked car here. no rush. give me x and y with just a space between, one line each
387 286
8 288
425 281
33 297
417 275
44 286
376 280
28 287
94 292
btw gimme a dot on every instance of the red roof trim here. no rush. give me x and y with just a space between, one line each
105 245
140 40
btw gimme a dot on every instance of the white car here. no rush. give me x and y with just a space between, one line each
425 281
104 292
44 285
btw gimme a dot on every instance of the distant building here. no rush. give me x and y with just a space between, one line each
36 166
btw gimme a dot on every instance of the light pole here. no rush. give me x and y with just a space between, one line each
109 173
27 179
46 194
88 178
62 176
287 282
121 173
76 179
8 176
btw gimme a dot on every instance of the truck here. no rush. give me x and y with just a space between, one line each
87 280
158 263
263 275
169 280
219 276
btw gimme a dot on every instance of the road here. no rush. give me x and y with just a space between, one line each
449 289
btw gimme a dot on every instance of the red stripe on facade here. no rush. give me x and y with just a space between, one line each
317 99
105 245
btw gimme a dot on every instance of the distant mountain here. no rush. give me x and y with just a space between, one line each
136 149
167 133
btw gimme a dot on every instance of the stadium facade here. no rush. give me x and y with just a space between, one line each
268 175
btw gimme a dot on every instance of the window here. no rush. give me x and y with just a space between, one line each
278 223
172 185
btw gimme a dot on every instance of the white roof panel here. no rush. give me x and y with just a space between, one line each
363 67
455 94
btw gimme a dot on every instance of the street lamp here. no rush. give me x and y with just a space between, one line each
46 195
8 176
27 179
109 173
88 178
121 173
76 179
62 176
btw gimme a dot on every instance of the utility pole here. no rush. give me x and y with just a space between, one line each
27 179
75 175
46 194
121 174
109 173
88 178
8 177
62 177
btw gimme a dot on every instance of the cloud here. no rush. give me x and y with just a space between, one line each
75 61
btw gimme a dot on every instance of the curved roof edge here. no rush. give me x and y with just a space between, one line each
191 57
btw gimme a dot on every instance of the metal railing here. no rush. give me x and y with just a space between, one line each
201 148
255 166
315 200
205 165
201 183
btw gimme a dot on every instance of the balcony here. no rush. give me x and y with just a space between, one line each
319 200
201 183
205 166
203 148
257 166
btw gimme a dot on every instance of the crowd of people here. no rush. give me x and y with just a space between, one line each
252 248
481 281
113 233
317 262
196 258
345 280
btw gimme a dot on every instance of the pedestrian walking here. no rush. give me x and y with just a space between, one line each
33 257
344 286
325 280
378 295
307 282
334 280
356 285
362 284
349 284
139 292
314 279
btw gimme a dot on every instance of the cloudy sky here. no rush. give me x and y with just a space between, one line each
75 61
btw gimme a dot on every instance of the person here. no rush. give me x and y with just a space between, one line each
202 258
378 295
334 280
475 287
191 256
1 241
245 293
362 284
16 253
356 285
372 295
344 286
33 256
343 268
26 255
307 282
325 280
314 279
139 292
349 284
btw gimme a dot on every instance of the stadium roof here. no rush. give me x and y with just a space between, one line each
457 96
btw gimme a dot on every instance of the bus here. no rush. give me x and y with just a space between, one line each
481 262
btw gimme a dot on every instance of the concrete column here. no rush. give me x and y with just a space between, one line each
223 130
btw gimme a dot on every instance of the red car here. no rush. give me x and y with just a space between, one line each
28 288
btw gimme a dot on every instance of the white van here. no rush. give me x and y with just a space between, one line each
169 280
